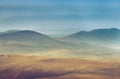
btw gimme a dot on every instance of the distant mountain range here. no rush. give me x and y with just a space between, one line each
99 36
81 43
26 41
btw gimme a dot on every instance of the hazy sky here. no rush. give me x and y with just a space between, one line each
59 16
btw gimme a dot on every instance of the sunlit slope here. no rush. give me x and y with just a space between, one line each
35 67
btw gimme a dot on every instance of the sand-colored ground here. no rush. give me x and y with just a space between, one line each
36 67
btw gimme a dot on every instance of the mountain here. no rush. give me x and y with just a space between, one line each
99 36
25 35
76 45
26 41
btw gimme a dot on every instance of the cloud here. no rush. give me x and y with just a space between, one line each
66 13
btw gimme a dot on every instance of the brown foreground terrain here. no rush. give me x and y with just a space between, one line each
35 67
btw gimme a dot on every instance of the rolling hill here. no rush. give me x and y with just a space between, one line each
98 42
83 44
26 41
97 36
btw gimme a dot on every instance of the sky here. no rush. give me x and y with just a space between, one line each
59 17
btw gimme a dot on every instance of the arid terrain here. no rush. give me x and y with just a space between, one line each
59 39
37 67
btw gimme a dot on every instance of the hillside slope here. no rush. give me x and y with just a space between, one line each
26 41
35 67
98 35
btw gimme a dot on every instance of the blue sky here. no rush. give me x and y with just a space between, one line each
59 17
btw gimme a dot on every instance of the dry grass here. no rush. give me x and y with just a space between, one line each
35 67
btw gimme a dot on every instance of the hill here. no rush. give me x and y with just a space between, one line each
26 41
97 36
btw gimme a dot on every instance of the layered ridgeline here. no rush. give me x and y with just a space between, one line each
97 36
99 42
31 42
26 41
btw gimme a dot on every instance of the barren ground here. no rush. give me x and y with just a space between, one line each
37 67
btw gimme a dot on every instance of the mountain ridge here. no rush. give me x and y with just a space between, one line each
30 42
26 41
111 34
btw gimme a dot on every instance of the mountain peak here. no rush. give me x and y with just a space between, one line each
105 35
23 35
